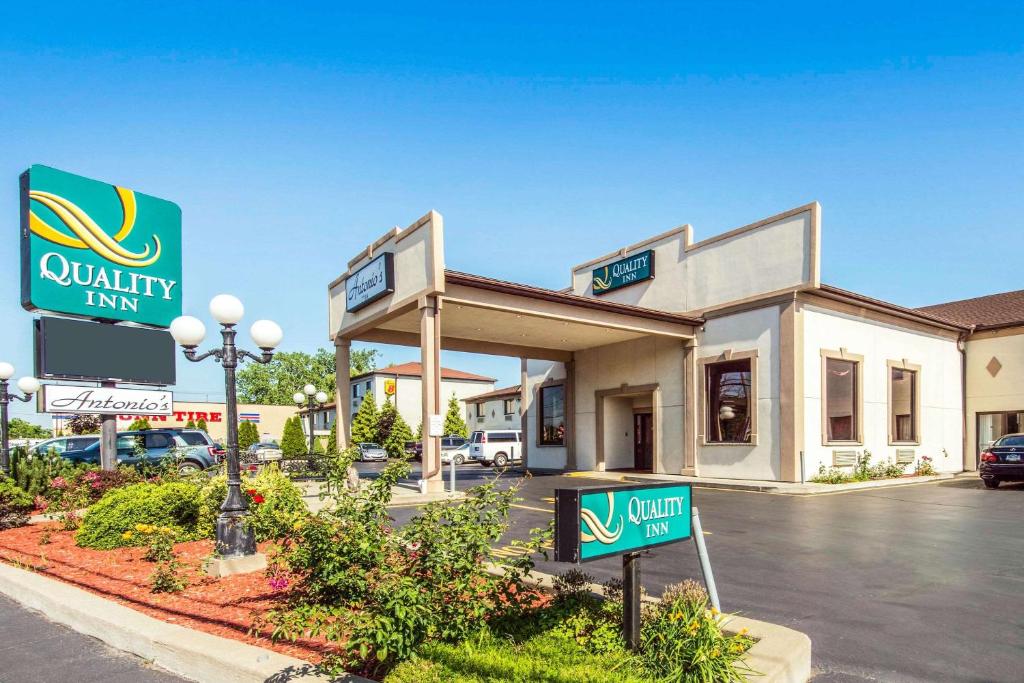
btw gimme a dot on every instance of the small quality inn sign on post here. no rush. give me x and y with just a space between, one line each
628 271
595 522
97 250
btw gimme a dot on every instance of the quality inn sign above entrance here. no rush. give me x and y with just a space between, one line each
97 250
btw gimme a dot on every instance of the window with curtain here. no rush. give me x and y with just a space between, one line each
841 400
510 406
729 402
903 404
552 415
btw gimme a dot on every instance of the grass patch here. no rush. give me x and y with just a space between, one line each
549 657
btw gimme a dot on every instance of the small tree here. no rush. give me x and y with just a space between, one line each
392 430
364 424
247 435
191 424
84 424
454 425
23 429
293 441
332 440
201 424
139 424
318 446
419 431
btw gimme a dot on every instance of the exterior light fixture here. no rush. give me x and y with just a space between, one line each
27 386
234 537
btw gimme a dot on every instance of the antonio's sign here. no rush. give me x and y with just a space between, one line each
105 400
595 522
371 282
97 250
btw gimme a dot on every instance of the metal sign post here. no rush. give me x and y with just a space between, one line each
631 593
108 437
705 561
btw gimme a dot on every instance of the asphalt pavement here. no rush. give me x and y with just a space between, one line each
36 650
920 583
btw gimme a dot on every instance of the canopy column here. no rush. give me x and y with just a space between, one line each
430 359
342 391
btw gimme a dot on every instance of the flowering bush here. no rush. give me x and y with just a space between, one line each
924 467
682 640
275 503
376 592
83 488
33 473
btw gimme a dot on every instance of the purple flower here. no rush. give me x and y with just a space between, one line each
278 583
58 483
415 545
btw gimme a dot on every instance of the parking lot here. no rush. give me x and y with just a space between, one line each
907 583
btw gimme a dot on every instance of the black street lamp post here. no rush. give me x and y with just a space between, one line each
28 386
234 537
313 399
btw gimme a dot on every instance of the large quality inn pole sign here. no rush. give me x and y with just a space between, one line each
97 250
596 522
371 282
628 271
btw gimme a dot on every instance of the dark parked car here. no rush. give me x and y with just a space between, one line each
152 447
1003 461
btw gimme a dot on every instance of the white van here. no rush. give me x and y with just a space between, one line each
495 447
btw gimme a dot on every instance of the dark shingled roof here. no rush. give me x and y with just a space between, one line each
983 312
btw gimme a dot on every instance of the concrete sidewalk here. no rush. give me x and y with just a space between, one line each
782 487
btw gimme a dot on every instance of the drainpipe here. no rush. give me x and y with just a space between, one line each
961 346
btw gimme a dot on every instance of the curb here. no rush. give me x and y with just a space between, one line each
192 654
780 655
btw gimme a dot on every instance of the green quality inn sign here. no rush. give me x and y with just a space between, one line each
97 250
628 271
595 522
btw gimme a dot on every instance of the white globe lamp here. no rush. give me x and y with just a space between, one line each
28 385
321 397
266 334
298 397
188 331
226 309
6 371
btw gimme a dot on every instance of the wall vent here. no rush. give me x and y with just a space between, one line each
904 456
844 458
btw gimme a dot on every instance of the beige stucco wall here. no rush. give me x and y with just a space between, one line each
545 457
941 421
650 360
1002 393
754 330
772 255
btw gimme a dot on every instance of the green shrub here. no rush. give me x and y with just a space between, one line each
831 475
248 435
378 593
33 474
275 503
293 441
15 505
174 504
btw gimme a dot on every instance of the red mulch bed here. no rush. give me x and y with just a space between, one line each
224 606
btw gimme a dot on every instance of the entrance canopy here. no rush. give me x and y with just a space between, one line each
397 291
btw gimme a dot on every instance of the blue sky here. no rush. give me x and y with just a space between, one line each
292 136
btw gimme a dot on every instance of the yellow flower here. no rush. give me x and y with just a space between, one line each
714 610
126 535
716 652
141 528
298 525
743 631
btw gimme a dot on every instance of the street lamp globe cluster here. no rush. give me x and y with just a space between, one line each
313 399
234 537
27 386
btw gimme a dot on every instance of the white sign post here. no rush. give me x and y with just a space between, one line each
105 400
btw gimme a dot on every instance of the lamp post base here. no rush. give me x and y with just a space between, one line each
241 564
234 537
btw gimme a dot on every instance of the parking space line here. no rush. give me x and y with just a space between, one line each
527 507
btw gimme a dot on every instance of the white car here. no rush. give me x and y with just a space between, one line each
497 447
264 452
371 451
459 453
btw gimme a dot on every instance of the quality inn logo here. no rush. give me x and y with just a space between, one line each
98 250
86 234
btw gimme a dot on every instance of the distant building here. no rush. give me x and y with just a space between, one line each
402 384
994 391
269 420
498 409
